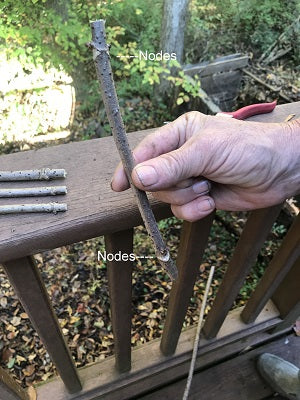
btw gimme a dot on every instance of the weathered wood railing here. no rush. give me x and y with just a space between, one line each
93 211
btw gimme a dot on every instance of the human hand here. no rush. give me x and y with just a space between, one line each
199 162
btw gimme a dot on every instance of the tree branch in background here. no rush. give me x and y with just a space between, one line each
104 72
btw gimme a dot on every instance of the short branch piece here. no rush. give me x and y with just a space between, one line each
44 174
104 73
33 208
31 192
272 88
198 332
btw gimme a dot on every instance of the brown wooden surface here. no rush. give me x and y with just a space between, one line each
217 66
288 294
120 287
26 280
235 379
280 265
10 389
290 319
223 88
193 241
150 369
252 238
287 297
274 116
93 209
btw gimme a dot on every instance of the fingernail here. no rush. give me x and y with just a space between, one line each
201 187
206 205
111 183
147 175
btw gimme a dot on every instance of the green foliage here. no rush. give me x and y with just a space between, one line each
54 33
190 89
261 22
279 230
49 32
223 26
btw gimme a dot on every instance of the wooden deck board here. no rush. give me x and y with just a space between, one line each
93 209
150 369
235 379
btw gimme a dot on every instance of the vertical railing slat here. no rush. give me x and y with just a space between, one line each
10 389
26 280
193 241
252 238
287 297
289 319
120 291
280 265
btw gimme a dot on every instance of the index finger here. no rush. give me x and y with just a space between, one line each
165 139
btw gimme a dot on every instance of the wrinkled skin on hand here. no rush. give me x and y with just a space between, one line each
199 162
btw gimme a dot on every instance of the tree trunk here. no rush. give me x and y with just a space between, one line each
173 25
172 37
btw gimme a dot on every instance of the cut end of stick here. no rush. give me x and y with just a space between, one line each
100 22
170 268
168 264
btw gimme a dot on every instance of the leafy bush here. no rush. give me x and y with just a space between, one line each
223 26
54 33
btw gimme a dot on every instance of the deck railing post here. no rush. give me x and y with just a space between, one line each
27 282
10 389
287 297
252 238
282 262
120 291
193 241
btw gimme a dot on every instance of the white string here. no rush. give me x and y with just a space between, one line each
198 332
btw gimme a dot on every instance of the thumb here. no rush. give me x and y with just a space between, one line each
164 171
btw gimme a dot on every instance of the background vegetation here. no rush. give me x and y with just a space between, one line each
54 33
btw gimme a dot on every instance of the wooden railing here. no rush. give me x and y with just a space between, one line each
93 211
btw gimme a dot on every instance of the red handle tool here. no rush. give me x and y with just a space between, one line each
248 111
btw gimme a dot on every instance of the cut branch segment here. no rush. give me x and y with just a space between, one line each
33 208
103 68
44 174
32 192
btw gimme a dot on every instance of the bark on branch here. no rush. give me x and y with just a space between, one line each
102 63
